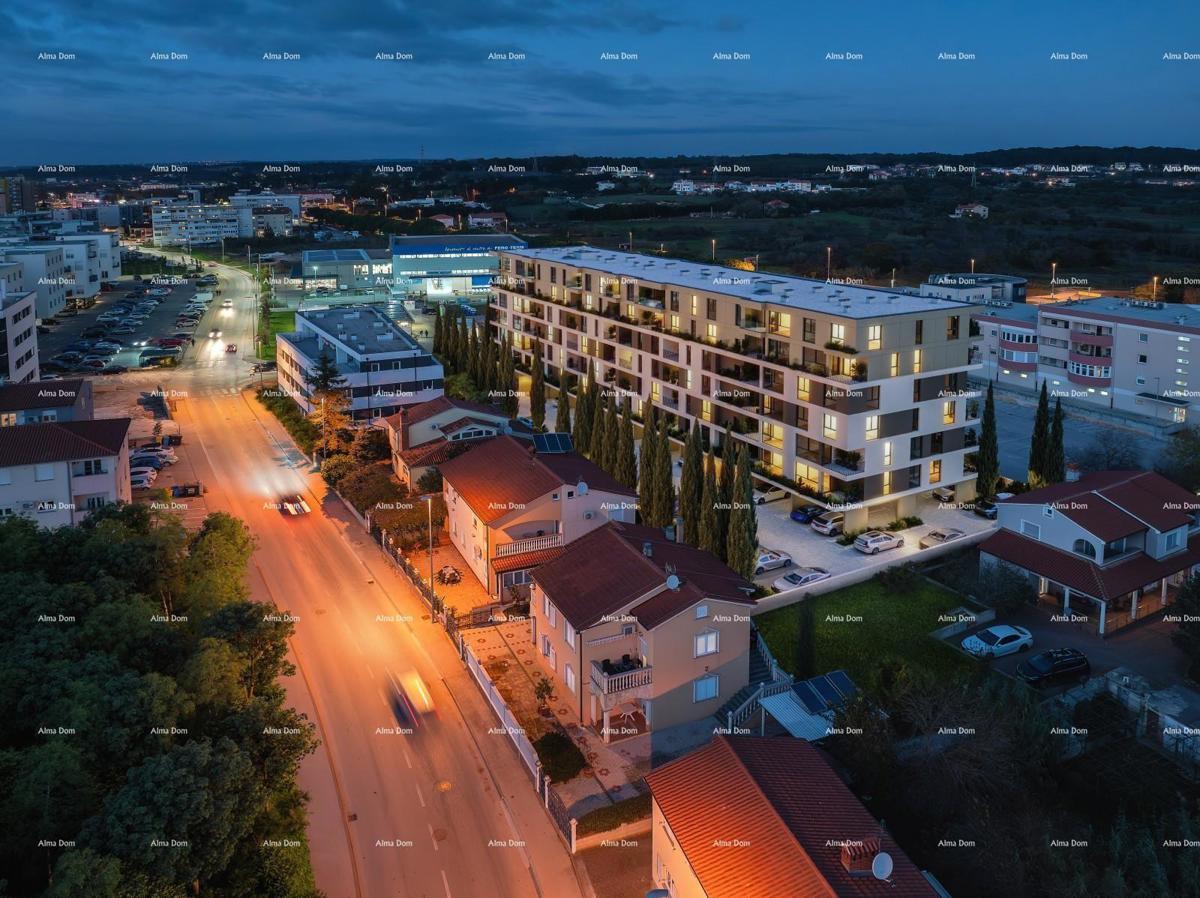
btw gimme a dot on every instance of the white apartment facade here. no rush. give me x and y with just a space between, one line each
84 261
290 201
44 271
107 249
184 225
854 396
18 336
384 368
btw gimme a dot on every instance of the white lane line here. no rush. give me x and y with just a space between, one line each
407 759
432 837
446 883
420 797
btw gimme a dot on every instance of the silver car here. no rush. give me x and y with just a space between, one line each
940 536
769 560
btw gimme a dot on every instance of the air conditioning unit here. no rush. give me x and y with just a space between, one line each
588 515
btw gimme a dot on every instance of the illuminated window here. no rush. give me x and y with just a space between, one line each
675 323
917 361
887 482
837 333
831 428
935 471
948 412
712 331
706 410
895 364
695 305
803 388
887 453
874 336
872 427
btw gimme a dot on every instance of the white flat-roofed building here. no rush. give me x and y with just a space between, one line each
975 288
12 276
18 336
290 201
184 225
272 221
384 367
447 267
346 269
108 252
854 396
84 261
45 272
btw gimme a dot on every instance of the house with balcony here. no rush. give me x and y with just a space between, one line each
748 815
640 633
383 366
56 473
425 435
510 508
1107 550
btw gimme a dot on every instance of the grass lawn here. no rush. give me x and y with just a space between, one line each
895 625
282 321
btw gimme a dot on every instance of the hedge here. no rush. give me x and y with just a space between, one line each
561 758
291 416
603 819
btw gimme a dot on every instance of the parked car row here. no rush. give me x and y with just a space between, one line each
1047 668
145 462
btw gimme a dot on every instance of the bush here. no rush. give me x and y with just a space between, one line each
603 819
335 469
370 445
561 758
430 482
902 578
904 523
291 416
367 486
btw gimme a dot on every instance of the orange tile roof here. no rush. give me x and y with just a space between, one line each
30 444
525 560
765 816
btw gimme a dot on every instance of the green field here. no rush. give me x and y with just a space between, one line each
282 321
891 626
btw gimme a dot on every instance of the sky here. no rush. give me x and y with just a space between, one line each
108 101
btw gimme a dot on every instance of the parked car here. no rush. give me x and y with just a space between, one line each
293 505
801 576
769 560
1055 666
828 524
113 369
985 508
146 461
152 448
143 471
141 483
770 494
263 366
944 494
94 332
875 541
806 514
68 357
998 641
940 536
123 329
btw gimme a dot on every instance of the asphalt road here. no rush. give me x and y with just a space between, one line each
447 810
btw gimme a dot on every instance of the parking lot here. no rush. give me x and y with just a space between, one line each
159 322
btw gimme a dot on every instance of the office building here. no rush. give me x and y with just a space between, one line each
447 268
346 269
384 368
272 221
18 336
1126 354
856 397
194 225
976 288
45 272
289 201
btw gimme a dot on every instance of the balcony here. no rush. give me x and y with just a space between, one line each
753 324
841 346
1084 338
1084 358
619 677
532 544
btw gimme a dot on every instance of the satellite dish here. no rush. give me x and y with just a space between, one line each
673 581
583 488
881 865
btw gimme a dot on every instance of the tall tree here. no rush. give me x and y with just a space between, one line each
664 482
987 460
324 376
508 379
488 368
626 468
450 343
691 484
1056 461
611 449
1040 443
562 411
599 435
471 365
708 533
743 523
725 493
1180 460
1186 634
439 332
583 412
646 465
331 415
537 389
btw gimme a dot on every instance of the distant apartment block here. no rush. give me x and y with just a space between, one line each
18 336
1131 355
272 221
16 195
976 288
12 276
292 202
187 225
854 396
44 271
106 248
384 367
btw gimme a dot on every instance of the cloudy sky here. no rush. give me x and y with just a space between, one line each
112 102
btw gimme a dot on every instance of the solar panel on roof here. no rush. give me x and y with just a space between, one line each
826 690
552 443
808 697
841 680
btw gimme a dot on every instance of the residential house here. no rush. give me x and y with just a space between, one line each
44 401
510 508
639 632
56 473
487 220
748 815
1110 548
425 435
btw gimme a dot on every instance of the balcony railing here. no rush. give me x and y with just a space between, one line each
611 684
532 544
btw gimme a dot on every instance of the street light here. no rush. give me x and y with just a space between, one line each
1053 276
714 245
972 266
428 500
828 263
1154 289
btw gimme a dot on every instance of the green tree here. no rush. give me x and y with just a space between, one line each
582 438
626 470
1186 634
743 523
1180 460
331 417
708 533
664 483
1039 447
725 494
335 468
470 362
599 435
610 450
537 390
370 444
691 484
987 460
324 376
562 410
508 380
439 333
647 462
256 631
805 660
1056 461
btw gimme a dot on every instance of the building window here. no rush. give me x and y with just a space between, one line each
705 643
952 327
695 305
948 411
917 361
570 633
1172 540
1030 529
1143 338
803 389
895 364
919 337
711 330
675 323
43 472
872 427
887 452
93 466
887 483
831 429
710 308
1084 548
554 497
701 612
837 333
874 336
1141 359
8 419
935 471
705 688
569 676
549 612
810 330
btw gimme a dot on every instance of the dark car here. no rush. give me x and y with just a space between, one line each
94 331
807 514
986 508
1055 666
113 369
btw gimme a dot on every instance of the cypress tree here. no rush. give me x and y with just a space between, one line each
610 449
627 471
491 366
646 465
472 358
708 527
583 417
449 342
1056 464
562 415
1039 446
664 483
508 380
691 484
599 433
987 459
725 494
438 332
743 525
537 389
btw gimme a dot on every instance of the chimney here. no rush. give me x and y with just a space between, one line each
648 549
857 856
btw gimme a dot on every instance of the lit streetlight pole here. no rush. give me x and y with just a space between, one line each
1053 277
972 266
828 263
428 500
714 249
1154 289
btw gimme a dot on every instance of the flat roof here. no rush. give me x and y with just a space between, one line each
439 244
362 326
968 279
1017 311
336 255
844 300
1168 313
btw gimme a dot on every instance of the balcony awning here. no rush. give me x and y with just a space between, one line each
525 560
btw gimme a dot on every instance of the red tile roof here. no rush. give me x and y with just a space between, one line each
1080 574
504 473
422 411
34 444
606 570
40 394
759 816
435 452
456 426
1110 504
525 560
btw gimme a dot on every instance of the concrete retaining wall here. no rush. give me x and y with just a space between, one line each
626 831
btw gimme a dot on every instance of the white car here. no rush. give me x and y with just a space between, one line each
293 505
141 483
227 304
801 576
155 450
940 536
875 541
152 456
997 641
770 494
828 524
769 560
143 471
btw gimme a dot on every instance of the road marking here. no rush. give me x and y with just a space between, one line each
446 883
420 797
407 759
432 837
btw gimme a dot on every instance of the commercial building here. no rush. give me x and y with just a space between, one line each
48 401
292 202
510 508
976 288
446 268
1107 550
45 272
384 368
18 336
641 633
856 397
16 195
194 225
752 815
424 436
346 269
57 473
1126 354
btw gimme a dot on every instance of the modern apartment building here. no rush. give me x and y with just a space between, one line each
289 201
854 396
1132 355
383 366
18 336
45 272
186 225
12 276
16 195
84 261
107 248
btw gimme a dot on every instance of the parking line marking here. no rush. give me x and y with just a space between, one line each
420 797
432 837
